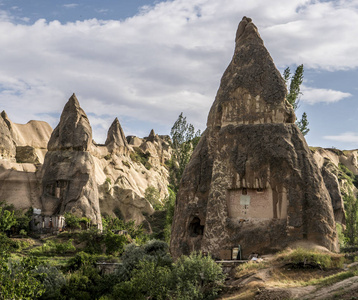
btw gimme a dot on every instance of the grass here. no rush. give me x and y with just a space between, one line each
249 267
302 258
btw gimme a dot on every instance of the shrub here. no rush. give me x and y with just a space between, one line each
139 156
72 221
52 280
115 243
81 259
94 241
197 277
148 281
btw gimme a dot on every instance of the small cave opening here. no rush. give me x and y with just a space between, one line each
195 228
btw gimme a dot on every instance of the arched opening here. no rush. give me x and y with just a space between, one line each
195 229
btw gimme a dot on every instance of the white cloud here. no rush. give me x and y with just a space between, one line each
347 137
314 96
70 5
167 59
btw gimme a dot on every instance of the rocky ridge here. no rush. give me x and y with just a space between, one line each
64 170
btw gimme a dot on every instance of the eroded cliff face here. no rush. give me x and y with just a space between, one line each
22 150
334 164
252 180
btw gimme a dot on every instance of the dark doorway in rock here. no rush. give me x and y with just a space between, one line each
195 228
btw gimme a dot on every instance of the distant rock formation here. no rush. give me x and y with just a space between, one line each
69 171
7 145
115 137
252 180
22 150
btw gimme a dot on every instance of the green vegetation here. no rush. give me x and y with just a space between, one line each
152 195
151 274
52 247
141 157
184 139
293 84
302 258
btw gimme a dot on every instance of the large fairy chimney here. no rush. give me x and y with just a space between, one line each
69 176
252 181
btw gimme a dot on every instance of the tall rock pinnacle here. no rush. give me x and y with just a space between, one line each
252 90
252 180
69 175
115 136
74 130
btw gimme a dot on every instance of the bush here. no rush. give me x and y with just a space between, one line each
94 241
81 259
149 276
52 280
115 243
197 277
148 281
139 156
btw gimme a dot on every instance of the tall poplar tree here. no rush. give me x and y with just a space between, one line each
293 84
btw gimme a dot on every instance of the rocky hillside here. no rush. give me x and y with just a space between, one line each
64 170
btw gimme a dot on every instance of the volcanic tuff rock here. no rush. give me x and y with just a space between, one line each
76 167
7 145
252 180
69 171
22 150
115 137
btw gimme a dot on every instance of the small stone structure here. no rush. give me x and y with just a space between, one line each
46 224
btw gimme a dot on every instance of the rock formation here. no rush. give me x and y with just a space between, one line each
115 137
7 145
69 171
252 180
22 150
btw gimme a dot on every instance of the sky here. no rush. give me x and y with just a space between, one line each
147 61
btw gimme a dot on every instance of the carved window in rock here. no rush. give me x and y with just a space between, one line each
259 203
57 189
195 228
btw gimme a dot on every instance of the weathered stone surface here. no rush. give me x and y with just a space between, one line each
74 131
123 180
115 137
69 183
26 154
7 145
252 180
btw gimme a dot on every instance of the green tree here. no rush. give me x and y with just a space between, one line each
152 195
294 91
7 219
18 280
184 138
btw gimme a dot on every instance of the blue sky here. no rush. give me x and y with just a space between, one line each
146 61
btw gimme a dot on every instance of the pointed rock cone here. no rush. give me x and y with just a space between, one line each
251 181
115 136
69 171
74 130
151 136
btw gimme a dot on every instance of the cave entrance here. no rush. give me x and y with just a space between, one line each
195 228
